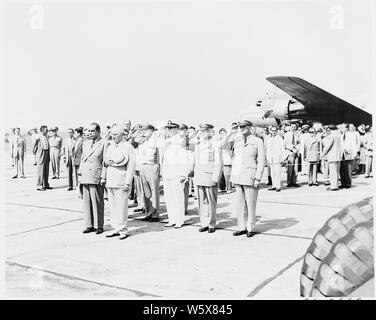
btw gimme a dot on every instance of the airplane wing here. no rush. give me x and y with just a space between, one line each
320 105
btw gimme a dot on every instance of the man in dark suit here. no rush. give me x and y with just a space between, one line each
67 152
93 180
41 150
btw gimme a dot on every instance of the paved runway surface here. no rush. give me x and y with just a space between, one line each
48 255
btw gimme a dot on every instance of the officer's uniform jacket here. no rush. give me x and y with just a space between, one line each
311 149
249 161
91 165
207 163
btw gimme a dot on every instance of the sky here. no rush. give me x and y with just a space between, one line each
187 61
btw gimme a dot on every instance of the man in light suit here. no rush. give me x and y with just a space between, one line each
207 172
247 170
55 142
93 180
41 150
119 170
275 154
333 151
149 165
176 166
292 146
18 153
67 152
77 152
311 155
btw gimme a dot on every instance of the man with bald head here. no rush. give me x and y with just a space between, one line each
119 168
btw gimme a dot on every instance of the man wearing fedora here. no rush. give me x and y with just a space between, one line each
207 173
93 180
148 160
247 170
119 168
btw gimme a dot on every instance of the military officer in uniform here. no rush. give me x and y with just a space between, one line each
176 166
247 170
119 163
207 172
55 142
148 160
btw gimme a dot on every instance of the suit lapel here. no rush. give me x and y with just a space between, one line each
95 145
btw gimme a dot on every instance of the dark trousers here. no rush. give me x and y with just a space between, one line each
43 170
345 173
292 169
70 172
93 205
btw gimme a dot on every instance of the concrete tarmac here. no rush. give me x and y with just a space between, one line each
47 255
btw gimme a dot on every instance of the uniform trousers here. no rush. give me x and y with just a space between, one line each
186 195
333 174
292 169
246 199
43 170
149 174
19 165
139 190
55 161
368 165
70 172
325 169
174 198
227 175
345 172
275 171
93 205
118 200
207 205
312 172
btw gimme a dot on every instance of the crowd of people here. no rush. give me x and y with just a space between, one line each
127 163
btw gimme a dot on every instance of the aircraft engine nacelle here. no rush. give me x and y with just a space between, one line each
286 109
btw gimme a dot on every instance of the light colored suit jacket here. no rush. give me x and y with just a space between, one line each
18 146
249 162
311 149
333 149
291 142
91 166
351 145
368 144
123 169
275 150
68 149
207 163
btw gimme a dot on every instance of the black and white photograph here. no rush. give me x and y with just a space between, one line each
188 150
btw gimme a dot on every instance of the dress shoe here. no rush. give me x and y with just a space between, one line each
23 177
278 190
239 233
99 231
272 189
310 184
289 185
69 189
169 224
111 235
178 226
49 188
41 189
211 230
330 189
155 219
327 184
203 229
88 230
315 184
53 178
15 177
147 218
295 185
123 236
367 177
251 234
